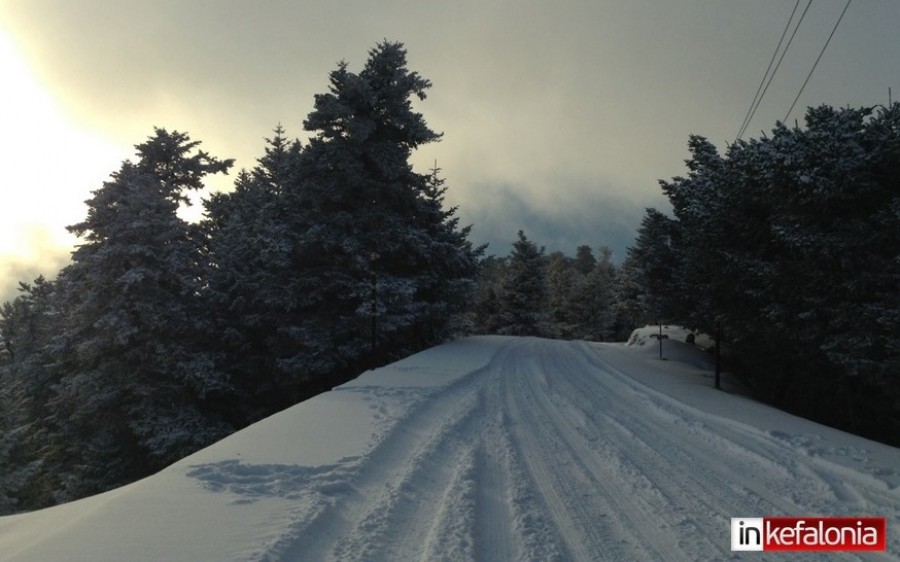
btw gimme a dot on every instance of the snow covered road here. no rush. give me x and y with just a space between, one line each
488 449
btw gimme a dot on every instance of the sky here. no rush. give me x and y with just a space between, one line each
558 118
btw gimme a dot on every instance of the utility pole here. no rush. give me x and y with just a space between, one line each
372 258
660 339
718 356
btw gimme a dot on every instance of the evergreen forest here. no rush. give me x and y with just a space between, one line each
332 256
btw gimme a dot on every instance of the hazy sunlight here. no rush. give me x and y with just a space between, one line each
50 166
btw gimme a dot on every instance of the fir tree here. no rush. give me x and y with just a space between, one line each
29 327
446 282
584 260
487 306
648 289
564 282
525 290
597 313
372 236
138 388
249 273
788 243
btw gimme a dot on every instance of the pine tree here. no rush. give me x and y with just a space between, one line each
29 327
581 297
249 273
564 283
370 228
138 389
597 313
523 300
487 306
584 259
789 243
648 289
446 283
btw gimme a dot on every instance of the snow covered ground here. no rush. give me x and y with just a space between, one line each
491 449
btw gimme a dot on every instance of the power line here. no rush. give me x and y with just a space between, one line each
755 106
822 52
768 68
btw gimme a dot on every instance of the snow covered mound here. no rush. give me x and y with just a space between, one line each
680 334
490 449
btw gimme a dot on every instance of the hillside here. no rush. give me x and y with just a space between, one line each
488 448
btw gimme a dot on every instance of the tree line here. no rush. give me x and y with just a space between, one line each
333 255
788 248
532 293
162 336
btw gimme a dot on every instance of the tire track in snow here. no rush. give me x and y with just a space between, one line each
778 472
401 489
550 453
668 486
493 511
398 525
451 537
725 466
673 501
595 513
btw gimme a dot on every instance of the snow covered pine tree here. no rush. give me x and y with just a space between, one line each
374 239
137 389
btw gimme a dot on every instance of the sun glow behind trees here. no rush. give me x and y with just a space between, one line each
41 192
155 312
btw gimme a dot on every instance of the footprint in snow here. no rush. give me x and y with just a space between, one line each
255 481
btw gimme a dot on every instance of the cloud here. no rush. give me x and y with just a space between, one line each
598 218
43 255
563 114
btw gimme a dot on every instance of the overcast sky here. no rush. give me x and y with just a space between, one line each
558 118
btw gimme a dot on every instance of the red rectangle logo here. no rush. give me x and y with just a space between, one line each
808 533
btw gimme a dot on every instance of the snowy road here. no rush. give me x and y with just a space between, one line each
501 449
550 453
